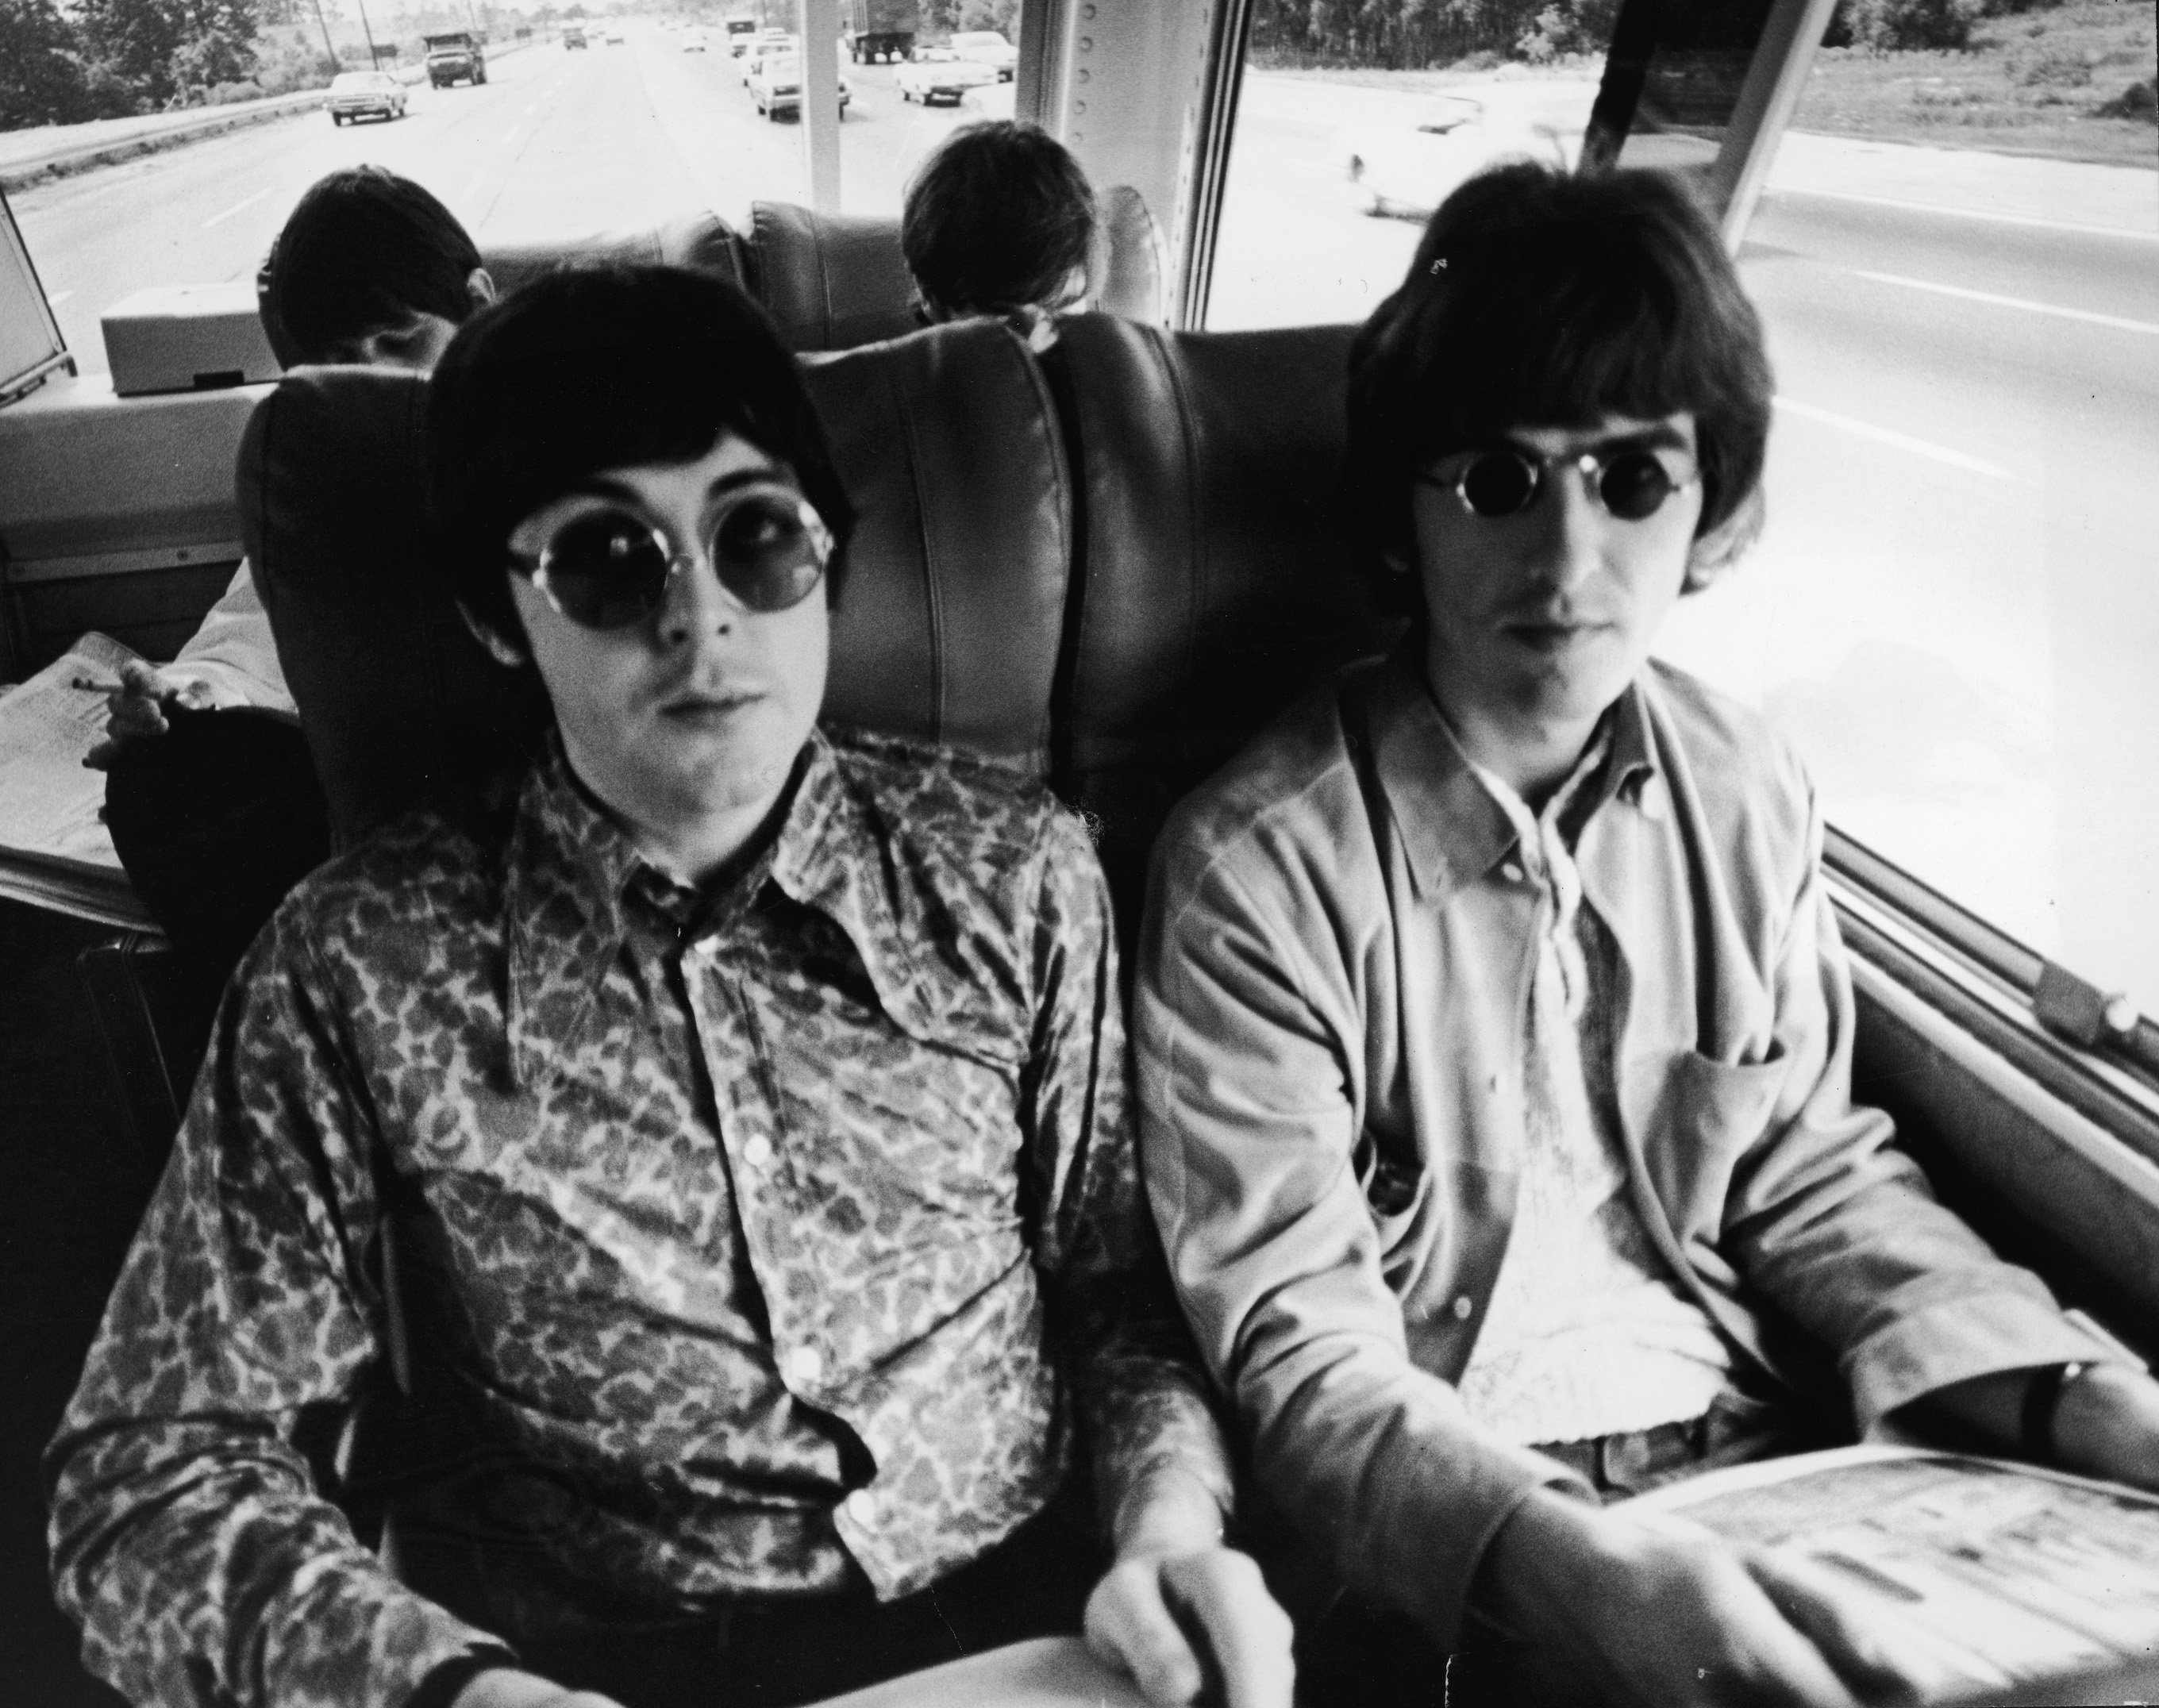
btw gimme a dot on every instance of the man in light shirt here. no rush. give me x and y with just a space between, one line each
214 826
1495 1034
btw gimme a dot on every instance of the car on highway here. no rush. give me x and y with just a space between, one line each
939 74
741 33
693 41
456 56
1406 161
613 38
359 95
775 85
573 35
772 41
987 47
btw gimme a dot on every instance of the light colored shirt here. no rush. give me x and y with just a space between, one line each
1588 1332
745 1239
233 654
1334 984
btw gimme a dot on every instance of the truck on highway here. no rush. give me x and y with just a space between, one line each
877 29
456 53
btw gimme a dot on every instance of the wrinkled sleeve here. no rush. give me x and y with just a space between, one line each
234 653
1249 1039
187 1537
1144 1404
1836 1224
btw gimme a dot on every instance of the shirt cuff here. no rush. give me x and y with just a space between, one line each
1954 1342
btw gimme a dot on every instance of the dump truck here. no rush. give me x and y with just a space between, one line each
875 29
454 54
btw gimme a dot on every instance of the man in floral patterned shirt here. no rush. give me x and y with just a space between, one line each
717 1133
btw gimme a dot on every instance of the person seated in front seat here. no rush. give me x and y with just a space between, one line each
1494 1035
1001 222
719 1127
214 826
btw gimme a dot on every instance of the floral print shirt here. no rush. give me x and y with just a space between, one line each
725 1244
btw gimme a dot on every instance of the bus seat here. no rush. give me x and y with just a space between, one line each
829 281
1216 580
702 241
948 628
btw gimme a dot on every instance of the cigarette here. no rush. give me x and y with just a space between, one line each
96 685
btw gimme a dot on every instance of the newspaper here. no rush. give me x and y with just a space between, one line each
55 851
2008 1574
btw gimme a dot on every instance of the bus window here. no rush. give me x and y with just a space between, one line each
1948 610
553 146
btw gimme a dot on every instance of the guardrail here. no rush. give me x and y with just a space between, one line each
152 134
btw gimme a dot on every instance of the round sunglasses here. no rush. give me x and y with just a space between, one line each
607 567
1631 483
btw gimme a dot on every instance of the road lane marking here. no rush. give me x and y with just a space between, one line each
532 109
1883 436
2116 321
472 188
1845 195
57 298
509 133
236 208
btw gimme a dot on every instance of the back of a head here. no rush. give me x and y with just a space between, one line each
1539 298
997 220
594 369
365 250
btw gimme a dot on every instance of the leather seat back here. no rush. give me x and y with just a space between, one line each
829 281
703 242
947 630
1216 579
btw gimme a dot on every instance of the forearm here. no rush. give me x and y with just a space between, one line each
203 1567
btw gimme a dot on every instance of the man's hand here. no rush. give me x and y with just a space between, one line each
1188 1619
2106 1424
1650 1610
135 710
1192 1627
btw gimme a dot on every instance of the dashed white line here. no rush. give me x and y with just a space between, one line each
509 133
57 298
478 180
1902 442
236 208
2118 322
532 109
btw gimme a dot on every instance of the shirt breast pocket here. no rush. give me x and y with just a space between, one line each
1703 1114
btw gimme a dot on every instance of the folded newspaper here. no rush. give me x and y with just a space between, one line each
2013 1577
55 850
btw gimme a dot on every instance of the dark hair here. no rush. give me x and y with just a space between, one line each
602 368
996 219
363 250
1538 299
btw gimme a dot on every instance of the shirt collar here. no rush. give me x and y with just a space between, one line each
571 867
1453 831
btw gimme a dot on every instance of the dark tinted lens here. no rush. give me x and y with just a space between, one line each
767 550
1499 483
1634 485
606 569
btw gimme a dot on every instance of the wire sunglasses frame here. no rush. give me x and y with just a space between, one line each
606 568
1629 482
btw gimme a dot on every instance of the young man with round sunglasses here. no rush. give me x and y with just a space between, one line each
1494 1035
716 1129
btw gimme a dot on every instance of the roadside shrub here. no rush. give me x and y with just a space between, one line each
1897 26
2137 102
2056 70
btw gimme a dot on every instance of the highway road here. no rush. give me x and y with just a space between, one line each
1952 608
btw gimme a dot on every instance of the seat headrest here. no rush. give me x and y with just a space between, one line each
702 241
1221 580
397 700
947 628
830 281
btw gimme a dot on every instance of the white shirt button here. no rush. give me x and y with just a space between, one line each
757 1151
1511 873
862 1507
1464 1308
805 1365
